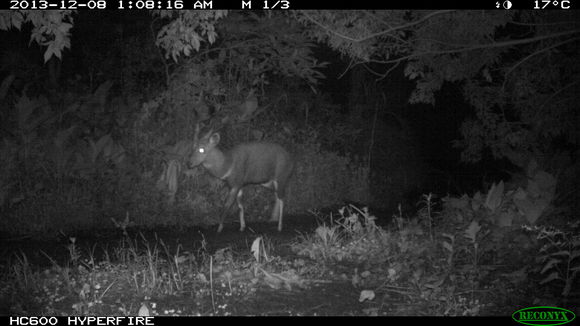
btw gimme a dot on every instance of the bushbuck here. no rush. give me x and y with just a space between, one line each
262 163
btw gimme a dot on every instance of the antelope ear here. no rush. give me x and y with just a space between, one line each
214 139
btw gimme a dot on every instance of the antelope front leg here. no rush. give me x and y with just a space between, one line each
241 207
227 207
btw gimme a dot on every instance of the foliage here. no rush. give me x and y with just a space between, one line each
252 50
323 178
395 264
57 165
133 269
352 236
248 48
518 70
524 204
356 34
497 225
186 30
267 44
519 116
136 273
558 257
378 267
51 28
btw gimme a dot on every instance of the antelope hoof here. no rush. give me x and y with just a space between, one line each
220 228
242 228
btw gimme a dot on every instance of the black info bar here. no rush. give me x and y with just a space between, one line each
82 321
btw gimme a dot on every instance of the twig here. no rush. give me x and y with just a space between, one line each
211 282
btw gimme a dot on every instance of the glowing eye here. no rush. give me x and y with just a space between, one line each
201 150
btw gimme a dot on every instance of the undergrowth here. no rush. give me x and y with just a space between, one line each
436 263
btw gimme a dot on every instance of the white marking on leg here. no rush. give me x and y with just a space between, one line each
269 184
241 207
228 173
281 214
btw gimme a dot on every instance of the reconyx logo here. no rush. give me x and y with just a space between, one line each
543 316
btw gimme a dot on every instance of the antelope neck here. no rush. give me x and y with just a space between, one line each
218 163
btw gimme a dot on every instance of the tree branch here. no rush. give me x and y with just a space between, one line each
533 54
390 30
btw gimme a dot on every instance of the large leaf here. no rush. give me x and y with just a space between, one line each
494 196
